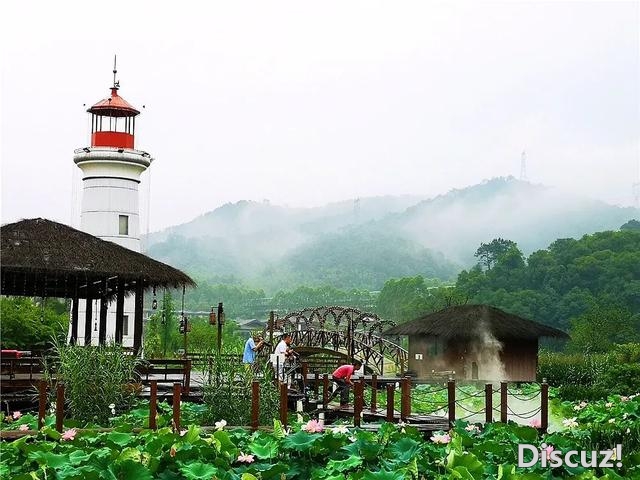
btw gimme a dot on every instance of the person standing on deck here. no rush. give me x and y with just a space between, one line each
342 377
251 348
280 354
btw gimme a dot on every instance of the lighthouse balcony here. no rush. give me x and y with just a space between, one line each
112 154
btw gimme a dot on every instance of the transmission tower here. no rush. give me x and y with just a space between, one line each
523 166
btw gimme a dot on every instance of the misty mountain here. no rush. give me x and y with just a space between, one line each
361 243
531 215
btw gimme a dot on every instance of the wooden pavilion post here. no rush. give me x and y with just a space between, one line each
137 322
120 311
104 307
74 320
87 320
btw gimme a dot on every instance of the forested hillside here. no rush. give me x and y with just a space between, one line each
590 286
361 243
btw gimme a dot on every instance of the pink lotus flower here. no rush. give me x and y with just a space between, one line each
16 415
441 438
23 428
535 423
548 450
70 434
245 458
313 426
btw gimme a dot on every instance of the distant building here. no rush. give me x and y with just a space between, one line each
477 342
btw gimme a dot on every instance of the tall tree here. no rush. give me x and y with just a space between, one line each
488 253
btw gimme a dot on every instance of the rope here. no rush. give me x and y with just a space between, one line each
472 414
525 399
430 391
466 409
468 395
528 414
429 401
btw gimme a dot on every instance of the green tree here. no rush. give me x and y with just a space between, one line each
631 225
32 323
602 327
488 253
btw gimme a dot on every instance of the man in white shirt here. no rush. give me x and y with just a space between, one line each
280 354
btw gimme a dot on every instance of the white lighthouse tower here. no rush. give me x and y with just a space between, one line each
111 169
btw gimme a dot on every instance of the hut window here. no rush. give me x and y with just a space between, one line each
125 325
124 225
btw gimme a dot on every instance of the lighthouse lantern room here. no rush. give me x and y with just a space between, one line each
111 169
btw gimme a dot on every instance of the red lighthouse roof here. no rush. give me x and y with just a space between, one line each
114 106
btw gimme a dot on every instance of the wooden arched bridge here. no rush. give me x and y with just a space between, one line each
341 331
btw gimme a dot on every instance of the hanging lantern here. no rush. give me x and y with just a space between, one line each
154 303
212 317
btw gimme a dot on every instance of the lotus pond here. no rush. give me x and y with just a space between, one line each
310 450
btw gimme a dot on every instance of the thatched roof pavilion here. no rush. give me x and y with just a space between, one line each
463 321
40 257
477 342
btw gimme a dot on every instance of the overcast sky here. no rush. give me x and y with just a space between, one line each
306 103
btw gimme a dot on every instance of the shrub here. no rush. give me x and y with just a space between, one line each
576 393
94 378
623 379
227 393
627 353
574 369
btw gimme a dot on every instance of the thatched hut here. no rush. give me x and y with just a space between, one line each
476 342
43 258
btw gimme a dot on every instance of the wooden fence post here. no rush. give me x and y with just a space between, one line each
544 405
59 406
42 402
153 405
503 402
187 376
325 390
316 384
305 372
358 400
284 400
374 392
451 400
255 405
405 403
488 402
177 387
390 393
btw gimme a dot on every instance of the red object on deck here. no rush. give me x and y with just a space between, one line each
11 353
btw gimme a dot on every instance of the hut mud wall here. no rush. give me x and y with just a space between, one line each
517 360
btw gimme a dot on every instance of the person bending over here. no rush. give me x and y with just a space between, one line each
342 377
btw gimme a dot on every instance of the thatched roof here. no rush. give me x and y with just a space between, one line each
40 257
467 321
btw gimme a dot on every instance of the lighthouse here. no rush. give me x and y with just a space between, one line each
111 168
